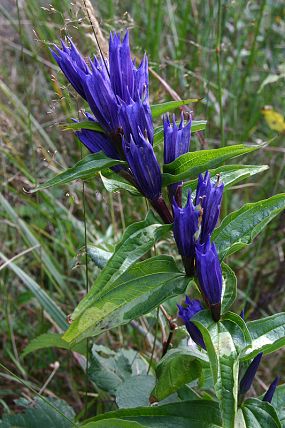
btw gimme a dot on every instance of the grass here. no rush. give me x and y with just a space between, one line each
221 51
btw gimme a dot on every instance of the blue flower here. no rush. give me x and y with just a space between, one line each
135 118
209 197
143 165
101 97
209 274
176 138
128 82
105 85
137 129
270 392
248 377
176 143
186 313
97 141
72 65
185 226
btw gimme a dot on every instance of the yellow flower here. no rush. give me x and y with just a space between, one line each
273 119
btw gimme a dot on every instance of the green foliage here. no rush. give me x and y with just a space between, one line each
84 169
178 367
188 166
159 109
267 335
224 341
196 414
257 414
136 292
240 227
136 241
41 413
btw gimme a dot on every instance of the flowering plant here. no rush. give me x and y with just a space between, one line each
212 368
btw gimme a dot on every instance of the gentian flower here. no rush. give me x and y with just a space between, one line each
185 226
209 274
136 122
143 165
72 64
176 138
186 313
128 82
176 143
97 141
117 93
105 85
136 117
209 197
248 377
270 392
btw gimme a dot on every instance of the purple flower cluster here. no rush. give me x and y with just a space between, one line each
193 226
117 93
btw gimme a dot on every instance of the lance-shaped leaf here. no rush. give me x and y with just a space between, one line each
191 164
114 182
138 291
224 341
185 414
113 423
239 228
84 169
52 340
178 367
257 414
229 291
159 109
268 335
85 124
197 125
137 240
229 175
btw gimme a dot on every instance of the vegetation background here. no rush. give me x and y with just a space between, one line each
231 54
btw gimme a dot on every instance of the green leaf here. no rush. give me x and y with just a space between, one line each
40 413
222 341
56 314
109 369
229 175
186 414
268 335
178 367
191 164
52 340
257 414
197 125
85 124
136 241
114 182
113 423
240 227
159 109
229 292
84 169
134 392
138 291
